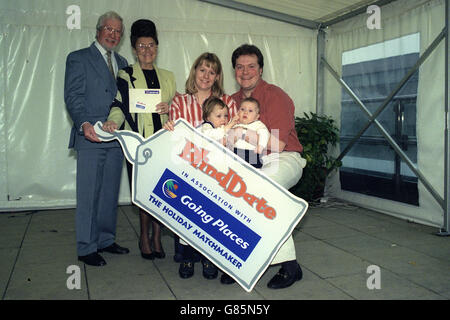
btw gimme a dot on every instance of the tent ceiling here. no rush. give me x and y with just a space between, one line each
306 13
314 10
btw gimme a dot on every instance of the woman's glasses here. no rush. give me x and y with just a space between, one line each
143 47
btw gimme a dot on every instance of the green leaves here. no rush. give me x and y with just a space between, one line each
316 134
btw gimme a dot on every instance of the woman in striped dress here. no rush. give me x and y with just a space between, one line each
205 80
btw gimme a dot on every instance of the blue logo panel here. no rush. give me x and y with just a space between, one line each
207 215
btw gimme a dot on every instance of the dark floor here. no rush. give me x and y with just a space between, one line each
337 247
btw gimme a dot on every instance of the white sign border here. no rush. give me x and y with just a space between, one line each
248 286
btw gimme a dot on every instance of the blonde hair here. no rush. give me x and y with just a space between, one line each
213 62
209 105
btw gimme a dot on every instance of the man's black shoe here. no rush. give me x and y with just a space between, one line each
284 279
186 270
114 248
226 279
209 270
93 259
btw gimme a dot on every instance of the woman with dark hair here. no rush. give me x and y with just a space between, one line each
143 75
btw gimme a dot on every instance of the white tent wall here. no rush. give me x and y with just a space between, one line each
398 19
37 170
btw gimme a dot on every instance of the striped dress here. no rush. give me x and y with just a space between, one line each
187 107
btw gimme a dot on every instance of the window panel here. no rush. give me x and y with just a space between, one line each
371 166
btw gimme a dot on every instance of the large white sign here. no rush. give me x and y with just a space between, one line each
229 211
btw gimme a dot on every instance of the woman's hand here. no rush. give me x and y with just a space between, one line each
109 126
247 135
162 108
251 136
169 125
230 139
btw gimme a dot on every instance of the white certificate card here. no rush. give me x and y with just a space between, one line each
144 100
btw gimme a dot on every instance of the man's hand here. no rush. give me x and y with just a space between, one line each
275 144
109 126
89 132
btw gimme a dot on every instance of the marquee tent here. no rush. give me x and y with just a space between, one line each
379 68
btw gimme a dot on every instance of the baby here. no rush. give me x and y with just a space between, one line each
248 114
216 126
215 117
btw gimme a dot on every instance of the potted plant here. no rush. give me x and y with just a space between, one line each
316 133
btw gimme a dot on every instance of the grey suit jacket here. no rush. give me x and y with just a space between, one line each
89 89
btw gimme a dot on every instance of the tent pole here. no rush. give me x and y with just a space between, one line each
405 79
445 230
320 71
354 13
274 15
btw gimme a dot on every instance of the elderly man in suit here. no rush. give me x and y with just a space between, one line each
89 89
